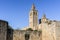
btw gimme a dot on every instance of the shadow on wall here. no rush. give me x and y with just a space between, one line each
9 33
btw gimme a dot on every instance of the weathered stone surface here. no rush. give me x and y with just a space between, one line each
3 30
29 35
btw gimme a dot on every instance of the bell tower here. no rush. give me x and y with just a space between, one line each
33 18
44 19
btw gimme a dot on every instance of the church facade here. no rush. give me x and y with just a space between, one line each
45 29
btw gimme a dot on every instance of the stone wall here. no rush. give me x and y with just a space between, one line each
57 30
3 30
48 31
26 35
6 32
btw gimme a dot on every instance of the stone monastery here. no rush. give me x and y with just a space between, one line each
45 29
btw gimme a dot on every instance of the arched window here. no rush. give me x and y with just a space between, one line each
27 36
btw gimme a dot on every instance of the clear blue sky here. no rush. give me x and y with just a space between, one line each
16 12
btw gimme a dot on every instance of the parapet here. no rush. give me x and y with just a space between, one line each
3 22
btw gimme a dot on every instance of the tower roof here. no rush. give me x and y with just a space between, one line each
33 7
44 16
